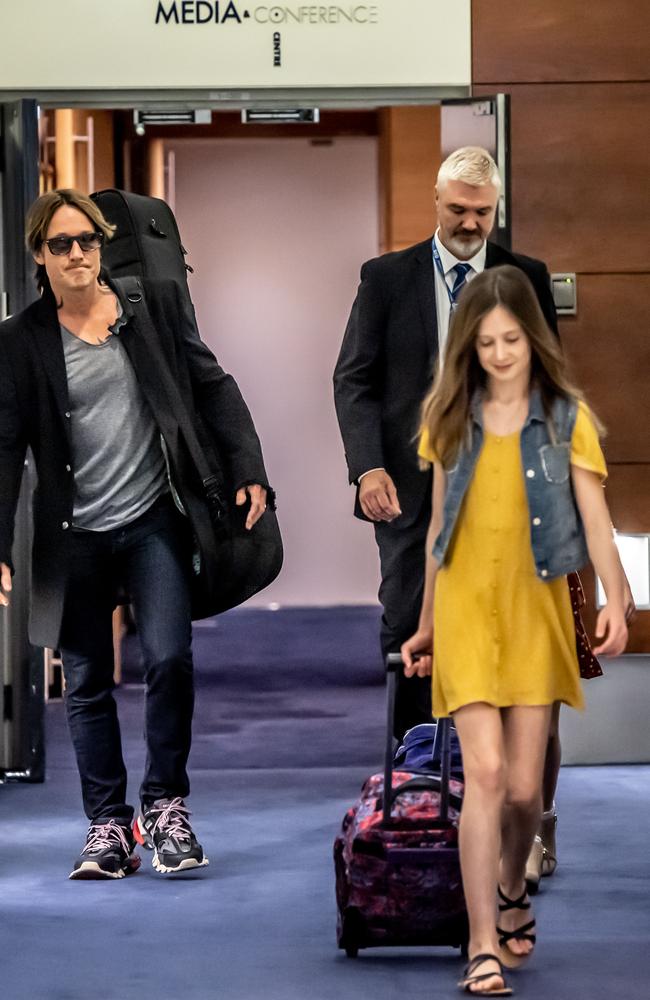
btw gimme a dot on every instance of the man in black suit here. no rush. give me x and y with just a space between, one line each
392 343
81 385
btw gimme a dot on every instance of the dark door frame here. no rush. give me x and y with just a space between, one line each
22 755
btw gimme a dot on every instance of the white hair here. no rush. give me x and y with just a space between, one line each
472 165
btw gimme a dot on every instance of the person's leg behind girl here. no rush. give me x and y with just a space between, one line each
549 786
542 860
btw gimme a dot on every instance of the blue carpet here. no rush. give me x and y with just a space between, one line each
289 721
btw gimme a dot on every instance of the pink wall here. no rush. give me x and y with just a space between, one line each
277 230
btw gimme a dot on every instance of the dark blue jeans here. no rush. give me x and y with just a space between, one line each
151 558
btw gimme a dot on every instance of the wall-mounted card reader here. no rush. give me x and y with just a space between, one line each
565 293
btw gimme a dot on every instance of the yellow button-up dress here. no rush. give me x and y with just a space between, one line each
501 634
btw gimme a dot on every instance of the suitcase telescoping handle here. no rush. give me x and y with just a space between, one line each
441 747
393 664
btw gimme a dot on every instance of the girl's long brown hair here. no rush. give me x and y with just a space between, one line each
446 409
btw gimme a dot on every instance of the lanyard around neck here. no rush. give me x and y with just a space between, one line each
441 271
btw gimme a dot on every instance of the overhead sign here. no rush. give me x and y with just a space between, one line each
183 44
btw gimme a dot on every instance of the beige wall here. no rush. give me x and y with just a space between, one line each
277 230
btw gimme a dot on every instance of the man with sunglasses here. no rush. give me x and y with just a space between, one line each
79 386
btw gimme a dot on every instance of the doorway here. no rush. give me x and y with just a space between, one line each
276 232
278 220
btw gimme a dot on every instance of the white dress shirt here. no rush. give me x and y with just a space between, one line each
443 307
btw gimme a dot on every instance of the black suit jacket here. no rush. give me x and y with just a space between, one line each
35 413
387 361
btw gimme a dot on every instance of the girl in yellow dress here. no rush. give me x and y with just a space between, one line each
517 504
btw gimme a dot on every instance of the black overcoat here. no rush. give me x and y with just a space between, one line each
35 414
387 360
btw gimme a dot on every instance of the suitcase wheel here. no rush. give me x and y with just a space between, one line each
348 939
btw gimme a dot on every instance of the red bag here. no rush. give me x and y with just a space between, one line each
589 665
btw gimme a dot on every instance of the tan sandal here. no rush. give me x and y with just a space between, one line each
534 866
547 835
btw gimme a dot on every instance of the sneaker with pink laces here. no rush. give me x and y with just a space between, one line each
109 852
164 827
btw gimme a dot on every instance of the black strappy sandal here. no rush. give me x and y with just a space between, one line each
469 977
523 933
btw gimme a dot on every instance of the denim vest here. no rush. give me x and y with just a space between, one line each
557 535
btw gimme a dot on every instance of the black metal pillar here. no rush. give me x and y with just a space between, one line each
22 755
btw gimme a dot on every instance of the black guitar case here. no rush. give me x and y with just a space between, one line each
235 563
146 242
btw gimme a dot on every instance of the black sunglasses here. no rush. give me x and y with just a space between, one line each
61 245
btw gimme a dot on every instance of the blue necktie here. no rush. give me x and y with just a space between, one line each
459 281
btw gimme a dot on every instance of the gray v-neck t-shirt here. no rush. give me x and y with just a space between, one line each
119 469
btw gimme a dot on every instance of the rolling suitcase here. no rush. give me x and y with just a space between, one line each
396 859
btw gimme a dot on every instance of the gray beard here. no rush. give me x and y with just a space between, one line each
464 249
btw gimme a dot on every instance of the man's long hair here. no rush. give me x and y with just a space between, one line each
446 409
38 221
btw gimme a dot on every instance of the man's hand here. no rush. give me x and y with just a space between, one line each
5 584
378 496
417 653
258 502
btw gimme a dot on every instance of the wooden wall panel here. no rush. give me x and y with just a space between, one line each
628 496
608 346
627 492
71 130
628 489
104 149
639 637
64 152
579 169
156 168
409 158
560 40
578 75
